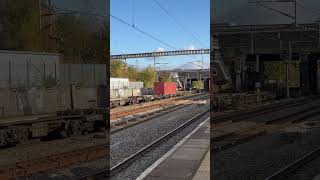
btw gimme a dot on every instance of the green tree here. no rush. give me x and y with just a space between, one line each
117 69
198 84
132 73
19 25
274 70
77 40
122 70
165 77
81 38
148 77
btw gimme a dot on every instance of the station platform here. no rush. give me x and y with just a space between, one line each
203 172
189 159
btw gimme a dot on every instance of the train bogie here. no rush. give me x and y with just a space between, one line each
11 135
65 124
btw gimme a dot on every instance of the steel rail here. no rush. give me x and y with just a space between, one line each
295 115
282 173
236 138
58 161
136 121
245 114
232 139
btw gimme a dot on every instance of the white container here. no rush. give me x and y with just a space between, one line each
20 63
136 85
119 83
113 94
136 92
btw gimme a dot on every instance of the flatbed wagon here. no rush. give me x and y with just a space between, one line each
20 130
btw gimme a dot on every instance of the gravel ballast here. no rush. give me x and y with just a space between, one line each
263 156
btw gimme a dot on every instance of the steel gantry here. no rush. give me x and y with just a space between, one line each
164 53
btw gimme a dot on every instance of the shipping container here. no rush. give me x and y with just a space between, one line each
165 88
117 93
21 69
147 91
136 85
32 57
136 92
124 93
119 83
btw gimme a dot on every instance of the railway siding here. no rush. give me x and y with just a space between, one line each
116 114
262 156
33 158
280 142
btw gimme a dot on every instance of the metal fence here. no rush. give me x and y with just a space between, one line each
29 74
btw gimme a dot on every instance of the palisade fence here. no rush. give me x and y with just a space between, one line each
27 74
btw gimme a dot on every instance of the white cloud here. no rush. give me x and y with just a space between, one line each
160 49
190 47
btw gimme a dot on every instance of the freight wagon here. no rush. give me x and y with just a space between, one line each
20 130
161 90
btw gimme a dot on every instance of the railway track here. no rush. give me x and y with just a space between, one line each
285 172
135 156
24 169
134 100
231 132
127 123
29 160
132 111
262 110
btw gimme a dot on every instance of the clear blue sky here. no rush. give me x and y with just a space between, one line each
149 17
